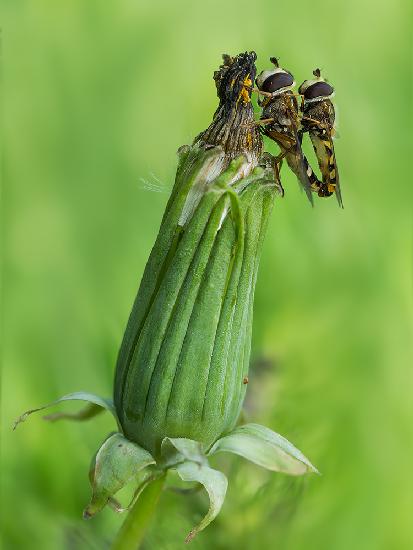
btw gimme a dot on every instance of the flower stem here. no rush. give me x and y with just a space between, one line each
134 527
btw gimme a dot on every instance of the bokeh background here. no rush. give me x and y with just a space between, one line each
97 97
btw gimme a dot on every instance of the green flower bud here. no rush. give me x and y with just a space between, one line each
182 367
184 357
185 354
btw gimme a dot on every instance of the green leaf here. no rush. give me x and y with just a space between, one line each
215 484
117 462
265 448
96 405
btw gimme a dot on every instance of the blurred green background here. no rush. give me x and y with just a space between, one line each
97 97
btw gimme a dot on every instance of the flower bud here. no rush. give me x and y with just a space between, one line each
185 354
182 368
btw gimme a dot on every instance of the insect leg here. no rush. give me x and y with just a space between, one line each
261 122
277 163
314 121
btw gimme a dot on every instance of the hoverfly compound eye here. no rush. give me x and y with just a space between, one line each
275 80
318 89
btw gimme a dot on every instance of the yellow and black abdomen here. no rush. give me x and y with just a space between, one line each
319 120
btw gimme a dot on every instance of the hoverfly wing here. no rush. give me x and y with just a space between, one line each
303 166
291 151
301 163
316 184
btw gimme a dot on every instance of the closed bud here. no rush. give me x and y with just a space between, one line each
182 368
186 349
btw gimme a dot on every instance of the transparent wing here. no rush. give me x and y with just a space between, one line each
295 157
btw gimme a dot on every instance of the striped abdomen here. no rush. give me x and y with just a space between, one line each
324 150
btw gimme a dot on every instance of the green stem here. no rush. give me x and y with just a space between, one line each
134 527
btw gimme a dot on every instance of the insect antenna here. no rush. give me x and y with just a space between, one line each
274 61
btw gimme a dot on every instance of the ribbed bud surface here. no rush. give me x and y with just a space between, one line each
185 353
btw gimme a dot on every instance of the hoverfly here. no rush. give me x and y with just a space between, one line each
317 119
281 119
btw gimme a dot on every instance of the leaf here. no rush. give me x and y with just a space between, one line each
86 413
96 405
215 484
265 448
179 449
117 462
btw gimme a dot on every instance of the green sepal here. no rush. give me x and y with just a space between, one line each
188 458
215 484
179 449
117 462
265 448
96 405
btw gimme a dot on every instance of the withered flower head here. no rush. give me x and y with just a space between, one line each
233 126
